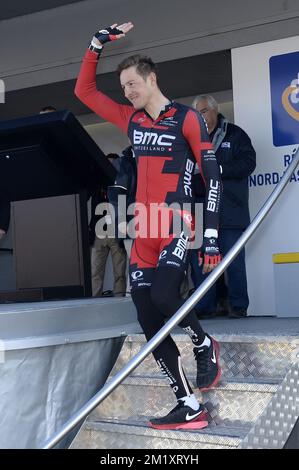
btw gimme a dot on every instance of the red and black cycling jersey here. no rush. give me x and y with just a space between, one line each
167 148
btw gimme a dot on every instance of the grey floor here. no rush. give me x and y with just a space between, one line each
267 326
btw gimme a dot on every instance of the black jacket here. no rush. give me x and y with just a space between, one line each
236 156
125 185
4 214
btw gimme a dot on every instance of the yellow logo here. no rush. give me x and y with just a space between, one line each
290 97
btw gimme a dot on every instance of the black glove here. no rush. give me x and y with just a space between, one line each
209 253
104 35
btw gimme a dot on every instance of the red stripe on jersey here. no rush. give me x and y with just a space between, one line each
170 113
152 184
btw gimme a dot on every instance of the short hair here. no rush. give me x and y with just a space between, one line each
210 99
48 109
144 65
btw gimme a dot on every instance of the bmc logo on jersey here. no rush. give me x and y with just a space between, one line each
181 246
188 177
284 82
213 196
152 138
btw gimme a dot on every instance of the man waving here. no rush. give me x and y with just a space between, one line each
168 140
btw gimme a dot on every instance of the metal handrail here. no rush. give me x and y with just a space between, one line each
180 314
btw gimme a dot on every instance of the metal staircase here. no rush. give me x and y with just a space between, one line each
252 406
255 406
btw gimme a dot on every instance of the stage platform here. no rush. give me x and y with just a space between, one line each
56 355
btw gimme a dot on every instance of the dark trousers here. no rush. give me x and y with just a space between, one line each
236 275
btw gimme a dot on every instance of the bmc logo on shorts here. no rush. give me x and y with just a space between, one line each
284 82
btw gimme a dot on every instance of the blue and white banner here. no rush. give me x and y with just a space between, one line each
284 84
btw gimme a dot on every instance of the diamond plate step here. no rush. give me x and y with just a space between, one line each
241 402
257 393
241 356
123 434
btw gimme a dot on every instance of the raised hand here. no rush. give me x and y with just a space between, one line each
112 33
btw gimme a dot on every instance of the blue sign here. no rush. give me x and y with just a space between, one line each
284 82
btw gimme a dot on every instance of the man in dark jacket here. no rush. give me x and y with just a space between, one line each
125 186
4 216
237 159
102 246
